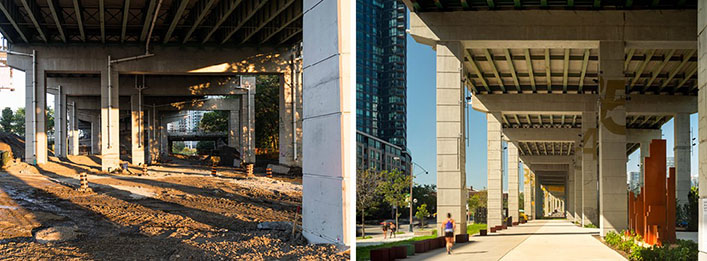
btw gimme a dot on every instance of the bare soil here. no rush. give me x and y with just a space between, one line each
172 212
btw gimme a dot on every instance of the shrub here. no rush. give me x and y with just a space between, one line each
613 239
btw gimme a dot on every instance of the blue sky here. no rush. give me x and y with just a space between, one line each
421 124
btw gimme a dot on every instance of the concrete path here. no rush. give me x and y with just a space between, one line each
535 240
376 235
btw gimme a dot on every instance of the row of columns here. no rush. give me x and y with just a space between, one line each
595 188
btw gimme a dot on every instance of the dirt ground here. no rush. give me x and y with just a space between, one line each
170 213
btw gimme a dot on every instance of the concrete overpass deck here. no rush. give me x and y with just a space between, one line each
535 240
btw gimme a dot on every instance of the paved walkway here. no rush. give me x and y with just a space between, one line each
377 236
535 240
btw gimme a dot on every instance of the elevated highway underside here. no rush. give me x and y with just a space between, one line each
572 87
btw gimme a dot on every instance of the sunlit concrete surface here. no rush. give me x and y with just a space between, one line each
535 240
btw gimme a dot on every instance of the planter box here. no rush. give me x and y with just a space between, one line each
410 249
462 238
492 230
421 246
381 254
399 252
499 228
515 224
504 226
482 232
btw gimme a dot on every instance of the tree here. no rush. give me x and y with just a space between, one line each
204 147
50 119
422 213
6 120
367 191
394 188
18 122
426 194
215 121
178 147
267 113
478 200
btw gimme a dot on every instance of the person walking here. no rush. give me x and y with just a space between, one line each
384 227
448 227
393 228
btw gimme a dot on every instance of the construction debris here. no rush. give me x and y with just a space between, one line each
279 169
12 143
281 226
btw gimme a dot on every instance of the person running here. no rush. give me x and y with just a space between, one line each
448 228
384 227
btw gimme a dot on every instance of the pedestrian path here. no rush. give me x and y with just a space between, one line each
535 240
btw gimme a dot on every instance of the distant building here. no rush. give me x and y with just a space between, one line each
377 154
634 180
381 104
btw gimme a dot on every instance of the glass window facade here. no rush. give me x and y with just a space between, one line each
381 81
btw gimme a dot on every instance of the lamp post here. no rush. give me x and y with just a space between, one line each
412 183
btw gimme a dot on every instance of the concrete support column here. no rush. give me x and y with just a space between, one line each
613 200
137 131
451 155
35 120
60 112
110 119
96 135
328 136
163 137
495 170
533 196
682 156
233 129
247 119
578 188
73 129
589 168
290 123
152 136
527 194
513 181
569 194
702 112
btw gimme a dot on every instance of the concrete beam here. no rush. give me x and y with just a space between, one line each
557 25
563 159
157 85
549 167
542 134
577 103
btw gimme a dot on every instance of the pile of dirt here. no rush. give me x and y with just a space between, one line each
13 143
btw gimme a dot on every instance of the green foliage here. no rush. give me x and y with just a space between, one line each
521 202
474 228
267 114
367 191
395 186
204 147
691 209
683 250
426 194
18 122
50 119
364 253
422 213
177 146
6 120
478 200
214 121
590 225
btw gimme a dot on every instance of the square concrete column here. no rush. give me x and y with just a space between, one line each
527 194
60 140
589 151
328 128
290 123
513 181
110 120
577 205
163 137
569 194
35 111
682 156
96 135
702 112
533 196
495 170
137 130
73 129
451 155
234 129
613 200
247 119
152 135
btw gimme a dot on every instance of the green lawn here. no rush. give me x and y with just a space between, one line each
474 228
366 237
364 253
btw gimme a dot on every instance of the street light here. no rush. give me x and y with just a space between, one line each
412 183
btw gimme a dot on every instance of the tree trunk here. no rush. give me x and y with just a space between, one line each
397 227
363 225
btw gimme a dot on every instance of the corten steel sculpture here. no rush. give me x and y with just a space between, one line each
652 210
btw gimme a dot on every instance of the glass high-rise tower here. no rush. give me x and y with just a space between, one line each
381 83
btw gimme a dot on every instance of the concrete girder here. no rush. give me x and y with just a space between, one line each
237 22
226 8
547 159
11 10
158 85
197 15
263 18
78 11
542 134
58 17
549 167
561 25
281 22
33 12
149 11
576 103
175 19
